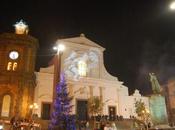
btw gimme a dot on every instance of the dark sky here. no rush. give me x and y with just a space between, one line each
139 35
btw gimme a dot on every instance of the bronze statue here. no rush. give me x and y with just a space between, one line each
155 84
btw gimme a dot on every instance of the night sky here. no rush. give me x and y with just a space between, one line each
139 35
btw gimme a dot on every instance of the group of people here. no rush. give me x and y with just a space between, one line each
85 125
107 117
21 124
108 126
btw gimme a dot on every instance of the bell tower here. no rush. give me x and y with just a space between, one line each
17 66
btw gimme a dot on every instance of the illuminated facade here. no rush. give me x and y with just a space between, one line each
83 64
17 78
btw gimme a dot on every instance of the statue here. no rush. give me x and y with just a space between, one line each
157 103
155 84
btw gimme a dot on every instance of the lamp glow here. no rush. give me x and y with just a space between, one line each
35 105
31 106
1 127
59 48
147 111
55 48
172 6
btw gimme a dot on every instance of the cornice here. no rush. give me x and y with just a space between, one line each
20 39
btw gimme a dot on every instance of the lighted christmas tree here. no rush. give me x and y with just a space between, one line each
61 118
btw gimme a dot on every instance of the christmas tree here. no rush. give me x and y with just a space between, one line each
61 118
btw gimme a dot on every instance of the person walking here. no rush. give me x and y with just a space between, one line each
87 125
113 126
107 126
102 125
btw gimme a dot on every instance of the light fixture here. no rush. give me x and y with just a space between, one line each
147 111
31 106
59 48
172 6
34 106
55 48
1 127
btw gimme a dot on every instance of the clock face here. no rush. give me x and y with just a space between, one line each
13 55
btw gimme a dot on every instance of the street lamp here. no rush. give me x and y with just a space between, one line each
33 107
59 48
57 66
172 5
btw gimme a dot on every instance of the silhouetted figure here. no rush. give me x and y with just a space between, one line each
102 125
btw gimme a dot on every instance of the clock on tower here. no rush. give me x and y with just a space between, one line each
13 61
13 55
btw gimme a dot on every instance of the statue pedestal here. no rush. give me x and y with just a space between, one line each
158 109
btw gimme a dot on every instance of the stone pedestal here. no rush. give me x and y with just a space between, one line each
158 109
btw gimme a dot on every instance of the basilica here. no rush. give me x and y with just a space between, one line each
82 63
25 91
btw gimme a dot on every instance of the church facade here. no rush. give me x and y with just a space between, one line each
82 63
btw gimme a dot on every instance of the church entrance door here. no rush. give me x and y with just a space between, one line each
112 112
82 110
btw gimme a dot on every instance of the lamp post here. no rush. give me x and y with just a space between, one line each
57 67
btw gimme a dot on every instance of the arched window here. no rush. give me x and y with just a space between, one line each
15 65
9 66
6 106
12 66
82 68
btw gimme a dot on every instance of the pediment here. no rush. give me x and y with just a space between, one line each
82 40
